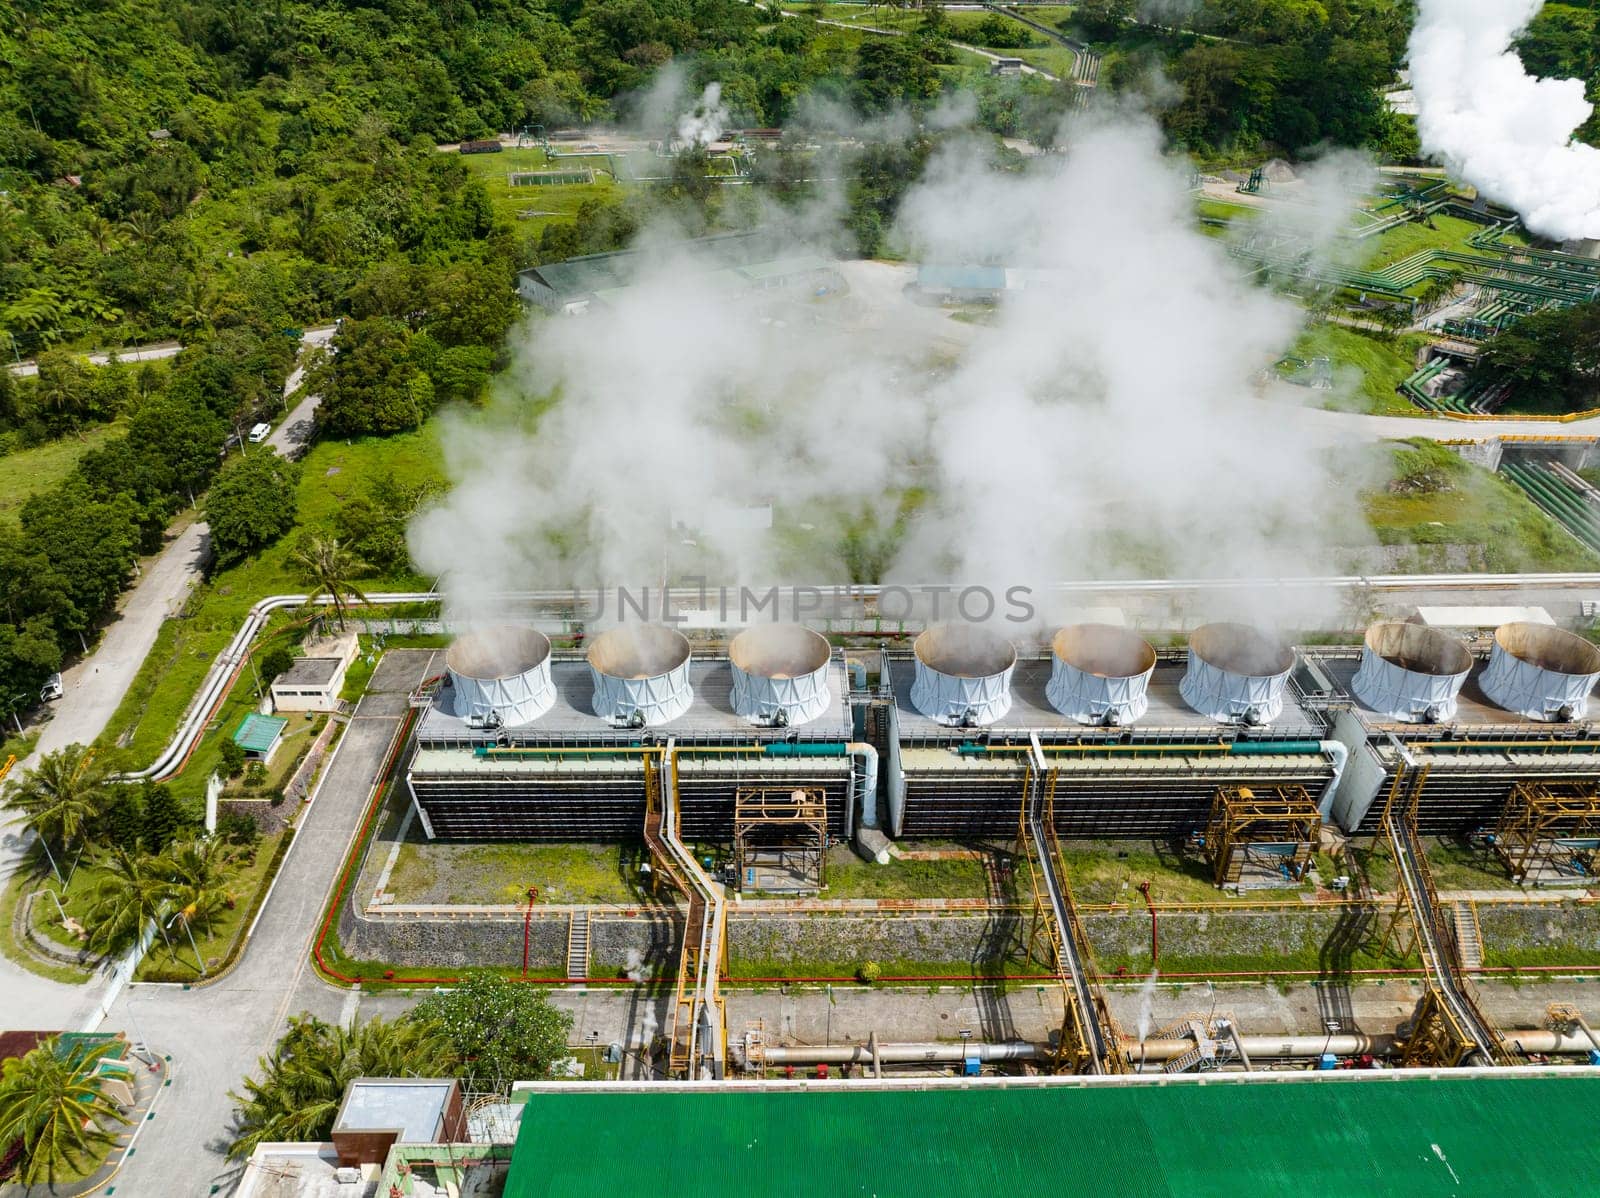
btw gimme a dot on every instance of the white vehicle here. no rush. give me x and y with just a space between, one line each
260 433
52 689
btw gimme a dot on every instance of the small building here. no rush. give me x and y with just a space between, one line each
258 735
1006 66
962 283
380 1112
315 679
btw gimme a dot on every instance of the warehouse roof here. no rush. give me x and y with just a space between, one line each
1289 1133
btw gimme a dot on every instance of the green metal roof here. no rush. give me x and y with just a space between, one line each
258 733
1456 1136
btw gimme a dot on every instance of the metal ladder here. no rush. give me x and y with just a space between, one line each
1469 937
578 944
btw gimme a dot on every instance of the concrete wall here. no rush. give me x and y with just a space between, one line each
1251 939
1569 926
837 944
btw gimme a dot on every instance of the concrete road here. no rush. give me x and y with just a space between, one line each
216 1033
99 357
294 433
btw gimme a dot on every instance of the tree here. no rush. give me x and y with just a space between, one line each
130 893
53 1102
276 660
302 1083
501 1031
368 386
164 818
1553 354
252 504
232 754
61 797
329 568
198 874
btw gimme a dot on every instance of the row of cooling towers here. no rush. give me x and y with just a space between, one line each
1100 674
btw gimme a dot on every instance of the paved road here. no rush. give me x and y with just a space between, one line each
99 357
293 435
216 1033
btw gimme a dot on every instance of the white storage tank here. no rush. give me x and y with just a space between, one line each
641 675
1236 673
1411 672
500 676
780 674
963 674
1541 672
1099 674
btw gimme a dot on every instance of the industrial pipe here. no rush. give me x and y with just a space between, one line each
903 1054
868 757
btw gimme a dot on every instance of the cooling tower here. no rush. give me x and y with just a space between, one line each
1099 672
641 675
963 674
780 674
1411 672
1541 672
500 676
1236 673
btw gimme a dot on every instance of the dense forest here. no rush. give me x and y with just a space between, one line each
225 174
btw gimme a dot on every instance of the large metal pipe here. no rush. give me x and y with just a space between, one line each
901 1054
866 781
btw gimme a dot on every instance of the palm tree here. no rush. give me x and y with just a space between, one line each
61 796
197 874
52 1101
132 891
304 1080
328 567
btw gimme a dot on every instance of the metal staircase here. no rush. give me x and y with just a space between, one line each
578 944
1469 937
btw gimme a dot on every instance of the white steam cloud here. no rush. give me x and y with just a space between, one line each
704 123
1104 421
1496 126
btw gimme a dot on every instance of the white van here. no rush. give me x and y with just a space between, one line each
260 433
52 689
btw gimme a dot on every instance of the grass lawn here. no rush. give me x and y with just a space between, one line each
534 207
1366 368
1448 233
849 877
332 472
28 471
501 871
1110 872
1458 865
30 877
1452 502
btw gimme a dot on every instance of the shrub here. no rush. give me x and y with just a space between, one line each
869 972
255 773
232 758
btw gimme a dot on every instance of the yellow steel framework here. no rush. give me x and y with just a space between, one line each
1449 1026
1538 818
1075 1049
781 828
1243 821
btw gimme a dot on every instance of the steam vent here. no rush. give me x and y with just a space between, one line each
1099 674
963 675
641 675
1541 672
500 676
1411 672
780 674
1236 673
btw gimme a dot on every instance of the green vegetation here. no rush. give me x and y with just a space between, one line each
1459 864
1563 42
1376 363
1438 232
27 472
502 872
487 1031
1111 872
843 968
849 877
1550 360
55 1113
1435 498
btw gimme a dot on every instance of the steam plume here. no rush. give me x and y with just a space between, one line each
1497 127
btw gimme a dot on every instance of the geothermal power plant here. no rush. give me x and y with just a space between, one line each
1129 741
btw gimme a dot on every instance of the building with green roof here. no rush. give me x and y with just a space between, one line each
258 735
1418 1133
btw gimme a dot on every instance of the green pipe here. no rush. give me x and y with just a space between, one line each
1240 748
1511 746
1274 748
823 748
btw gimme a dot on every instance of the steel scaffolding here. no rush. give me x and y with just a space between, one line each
1549 831
1270 831
780 837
